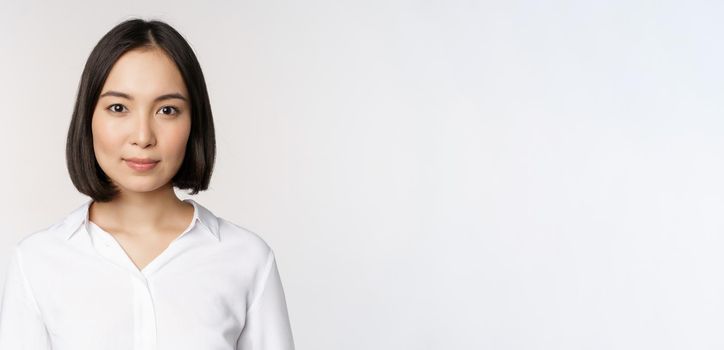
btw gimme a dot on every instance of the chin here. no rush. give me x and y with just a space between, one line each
141 185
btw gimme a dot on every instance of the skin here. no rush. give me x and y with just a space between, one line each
147 215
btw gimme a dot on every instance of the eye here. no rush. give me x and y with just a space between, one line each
170 110
115 108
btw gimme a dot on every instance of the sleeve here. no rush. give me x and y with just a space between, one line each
21 326
267 324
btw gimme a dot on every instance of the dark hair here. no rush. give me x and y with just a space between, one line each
197 166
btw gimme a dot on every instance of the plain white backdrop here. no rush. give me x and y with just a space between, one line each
431 174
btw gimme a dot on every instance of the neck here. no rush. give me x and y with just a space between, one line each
141 213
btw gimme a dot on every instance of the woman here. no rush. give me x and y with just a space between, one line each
135 267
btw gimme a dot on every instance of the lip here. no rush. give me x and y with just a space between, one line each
141 164
141 160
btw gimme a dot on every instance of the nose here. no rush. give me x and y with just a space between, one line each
143 134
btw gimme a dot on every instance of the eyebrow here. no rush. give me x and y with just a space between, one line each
175 95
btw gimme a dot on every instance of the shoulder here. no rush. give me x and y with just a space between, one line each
40 239
230 234
244 241
54 236
33 248
56 233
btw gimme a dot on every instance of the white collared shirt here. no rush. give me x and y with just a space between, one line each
71 286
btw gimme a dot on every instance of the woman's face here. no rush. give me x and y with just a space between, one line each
143 112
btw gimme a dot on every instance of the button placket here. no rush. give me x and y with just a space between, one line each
144 316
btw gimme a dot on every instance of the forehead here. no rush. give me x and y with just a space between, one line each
145 73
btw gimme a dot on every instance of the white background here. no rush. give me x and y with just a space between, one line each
431 174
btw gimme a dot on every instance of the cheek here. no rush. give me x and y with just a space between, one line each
103 135
176 139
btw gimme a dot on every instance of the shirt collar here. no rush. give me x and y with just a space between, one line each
79 216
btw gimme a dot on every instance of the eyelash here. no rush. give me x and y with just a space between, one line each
176 110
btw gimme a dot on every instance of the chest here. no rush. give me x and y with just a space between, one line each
194 302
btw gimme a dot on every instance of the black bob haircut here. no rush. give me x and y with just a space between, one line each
197 166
